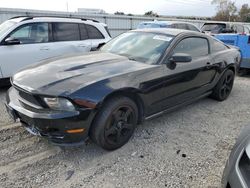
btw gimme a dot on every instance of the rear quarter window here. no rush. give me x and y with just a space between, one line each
192 28
93 32
218 46
181 26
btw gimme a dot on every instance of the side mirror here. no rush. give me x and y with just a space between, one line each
11 41
180 58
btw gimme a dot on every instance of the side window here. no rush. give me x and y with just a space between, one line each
194 46
173 26
192 28
182 26
93 32
66 32
234 28
32 33
83 31
247 31
218 46
240 29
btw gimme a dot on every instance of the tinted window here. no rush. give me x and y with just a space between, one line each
32 33
192 28
107 30
240 29
174 26
83 31
66 32
195 47
247 31
93 32
218 46
214 28
181 26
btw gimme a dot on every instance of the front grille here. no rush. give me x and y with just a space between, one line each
28 97
28 100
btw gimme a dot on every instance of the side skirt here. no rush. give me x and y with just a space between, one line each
177 106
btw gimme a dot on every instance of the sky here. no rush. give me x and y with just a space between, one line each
162 7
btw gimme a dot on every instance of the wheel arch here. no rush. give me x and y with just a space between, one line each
133 94
232 68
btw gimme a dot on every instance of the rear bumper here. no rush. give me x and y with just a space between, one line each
53 125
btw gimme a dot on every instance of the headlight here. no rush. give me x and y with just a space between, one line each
59 104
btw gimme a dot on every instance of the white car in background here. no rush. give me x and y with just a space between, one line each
28 40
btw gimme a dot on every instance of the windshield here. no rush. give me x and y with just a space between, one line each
5 26
214 28
139 46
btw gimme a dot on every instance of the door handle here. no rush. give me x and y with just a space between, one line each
44 48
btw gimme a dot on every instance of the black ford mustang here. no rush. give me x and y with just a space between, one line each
136 76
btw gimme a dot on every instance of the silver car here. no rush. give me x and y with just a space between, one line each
237 170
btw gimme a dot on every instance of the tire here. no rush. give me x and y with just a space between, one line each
224 87
115 123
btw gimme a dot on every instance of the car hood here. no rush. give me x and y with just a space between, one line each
65 75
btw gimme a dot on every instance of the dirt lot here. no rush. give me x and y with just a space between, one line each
186 148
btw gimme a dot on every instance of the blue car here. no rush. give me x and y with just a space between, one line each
168 24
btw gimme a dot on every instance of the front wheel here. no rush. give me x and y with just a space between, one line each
115 123
224 87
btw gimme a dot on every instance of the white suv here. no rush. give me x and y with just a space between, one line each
27 40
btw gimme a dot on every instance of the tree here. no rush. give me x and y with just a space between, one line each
119 13
151 13
226 10
244 13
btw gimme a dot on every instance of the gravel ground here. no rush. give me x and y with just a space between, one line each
185 148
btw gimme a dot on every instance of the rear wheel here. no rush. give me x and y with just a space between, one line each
115 123
224 87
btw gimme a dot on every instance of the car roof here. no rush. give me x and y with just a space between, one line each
166 22
167 31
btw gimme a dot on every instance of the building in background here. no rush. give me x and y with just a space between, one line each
91 11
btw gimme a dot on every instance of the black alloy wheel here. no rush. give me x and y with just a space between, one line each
115 123
120 125
224 87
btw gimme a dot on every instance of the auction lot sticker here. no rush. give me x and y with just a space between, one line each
162 37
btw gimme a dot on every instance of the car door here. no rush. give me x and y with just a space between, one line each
191 79
67 39
33 47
